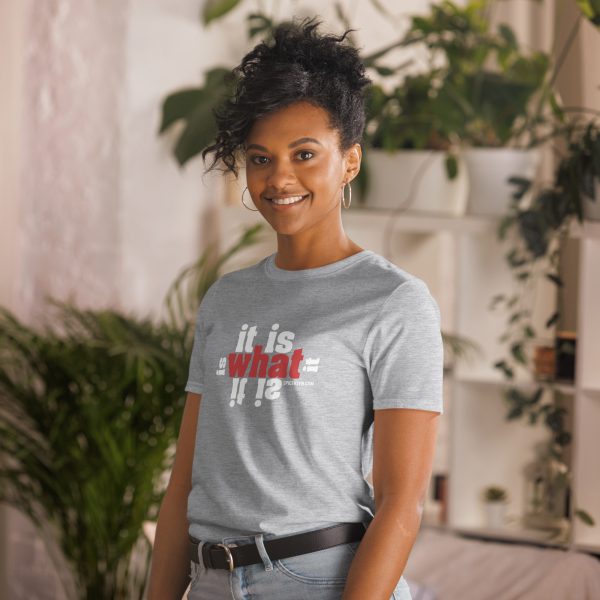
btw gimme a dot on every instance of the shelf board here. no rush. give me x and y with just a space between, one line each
566 388
505 534
412 221
591 390
513 534
417 221
587 229
593 549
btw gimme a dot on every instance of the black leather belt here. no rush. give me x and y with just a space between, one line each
220 556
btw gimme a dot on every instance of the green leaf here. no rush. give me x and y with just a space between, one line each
591 10
516 351
555 279
585 517
216 80
505 368
504 226
517 316
537 395
523 185
451 164
384 71
556 108
514 413
201 128
508 35
258 24
563 438
595 150
215 9
179 105
514 260
553 319
533 228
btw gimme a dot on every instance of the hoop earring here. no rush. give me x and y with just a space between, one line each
350 195
252 209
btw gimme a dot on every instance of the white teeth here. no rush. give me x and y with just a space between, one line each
289 200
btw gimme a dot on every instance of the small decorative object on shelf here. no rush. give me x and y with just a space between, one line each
543 360
565 355
495 500
547 481
440 495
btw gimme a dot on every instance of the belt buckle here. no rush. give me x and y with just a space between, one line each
229 555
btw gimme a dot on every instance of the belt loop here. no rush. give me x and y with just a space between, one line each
258 539
204 555
200 556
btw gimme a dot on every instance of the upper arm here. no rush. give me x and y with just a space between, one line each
403 351
404 443
181 475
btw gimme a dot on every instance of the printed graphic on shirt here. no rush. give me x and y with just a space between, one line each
273 364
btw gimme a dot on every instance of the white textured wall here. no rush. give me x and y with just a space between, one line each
71 177
94 209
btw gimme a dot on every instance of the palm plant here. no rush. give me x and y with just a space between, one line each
89 414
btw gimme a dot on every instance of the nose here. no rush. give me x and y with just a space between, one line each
280 175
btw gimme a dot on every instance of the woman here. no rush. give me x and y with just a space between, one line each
300 364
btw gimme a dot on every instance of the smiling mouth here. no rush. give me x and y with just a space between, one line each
287 201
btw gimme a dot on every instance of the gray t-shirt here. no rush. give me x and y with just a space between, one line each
291 365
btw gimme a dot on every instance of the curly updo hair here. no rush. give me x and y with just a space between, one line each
296 64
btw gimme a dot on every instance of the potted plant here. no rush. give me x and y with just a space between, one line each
495 500
89 414
487 88
408 149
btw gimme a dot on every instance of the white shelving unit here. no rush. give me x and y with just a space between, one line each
463 264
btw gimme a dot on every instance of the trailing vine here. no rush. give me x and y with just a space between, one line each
539 232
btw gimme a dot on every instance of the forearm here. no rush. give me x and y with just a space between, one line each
169 572
383 552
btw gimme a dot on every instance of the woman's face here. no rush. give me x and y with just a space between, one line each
282 162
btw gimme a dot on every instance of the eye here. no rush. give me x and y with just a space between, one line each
252 159
306 152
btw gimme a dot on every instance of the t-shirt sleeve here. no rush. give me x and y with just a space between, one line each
403 350
195 381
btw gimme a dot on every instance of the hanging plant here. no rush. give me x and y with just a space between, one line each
540 230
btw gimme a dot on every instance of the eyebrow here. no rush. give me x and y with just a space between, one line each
292 145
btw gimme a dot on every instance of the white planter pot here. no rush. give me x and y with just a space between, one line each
495 514
488 170
391 176
591 208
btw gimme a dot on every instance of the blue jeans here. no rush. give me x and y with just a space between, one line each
319 575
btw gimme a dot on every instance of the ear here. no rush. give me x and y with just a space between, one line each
352 160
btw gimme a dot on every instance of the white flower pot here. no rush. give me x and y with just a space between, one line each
495 514
591 208
488 170
392 174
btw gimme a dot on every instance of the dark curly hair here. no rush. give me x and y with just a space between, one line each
296 64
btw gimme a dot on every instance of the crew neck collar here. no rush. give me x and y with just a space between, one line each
275 272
